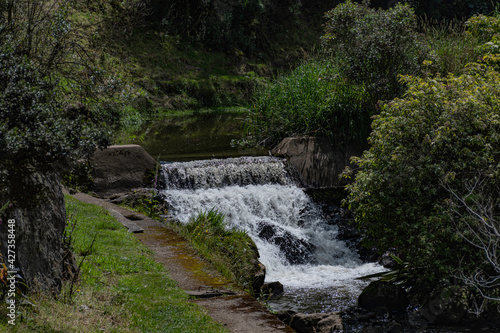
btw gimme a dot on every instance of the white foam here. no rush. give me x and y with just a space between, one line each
288 207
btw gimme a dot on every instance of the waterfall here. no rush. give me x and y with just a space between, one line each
260 195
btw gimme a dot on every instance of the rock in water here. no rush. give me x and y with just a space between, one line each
312 323
382 296
296 251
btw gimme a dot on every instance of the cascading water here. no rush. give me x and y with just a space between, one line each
298 247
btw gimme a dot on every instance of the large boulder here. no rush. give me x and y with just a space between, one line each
318 161
39 218
121 168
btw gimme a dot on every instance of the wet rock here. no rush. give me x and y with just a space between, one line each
372 329
348 233
312 323
367 254
258 277
121 168
394 327
382 297
387 261
272 289
296 251
318 161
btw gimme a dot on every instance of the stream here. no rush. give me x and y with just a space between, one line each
202 169
297 245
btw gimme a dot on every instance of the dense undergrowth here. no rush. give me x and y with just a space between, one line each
364 51
426 92
196 54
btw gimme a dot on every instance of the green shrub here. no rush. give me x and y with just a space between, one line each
315 100
373 46
36 132
483 28
485 31
440 136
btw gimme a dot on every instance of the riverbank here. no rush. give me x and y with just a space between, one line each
125 286
121 288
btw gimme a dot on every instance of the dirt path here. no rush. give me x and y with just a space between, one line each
239 313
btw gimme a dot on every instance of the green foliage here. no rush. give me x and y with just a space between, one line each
444 131
315 100
366 51
225 25
450 47
59 101
485 31
483 28
232 251
372 47
401 273
35 131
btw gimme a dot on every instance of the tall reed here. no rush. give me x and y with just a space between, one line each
450 47
312 100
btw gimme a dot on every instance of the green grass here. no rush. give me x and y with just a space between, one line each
169 75
451 48
231 251
121 289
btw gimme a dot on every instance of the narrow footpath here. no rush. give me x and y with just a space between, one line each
238 312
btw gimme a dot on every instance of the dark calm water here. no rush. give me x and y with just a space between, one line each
194 137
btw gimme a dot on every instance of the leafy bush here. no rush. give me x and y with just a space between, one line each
441 135
36 133
366 51
373 46
485 31
315 100
58 101
483 28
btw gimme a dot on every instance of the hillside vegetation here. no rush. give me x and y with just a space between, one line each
196 54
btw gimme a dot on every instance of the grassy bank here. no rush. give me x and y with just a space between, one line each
121 288
231 251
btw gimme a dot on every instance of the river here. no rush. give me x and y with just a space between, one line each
203 169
